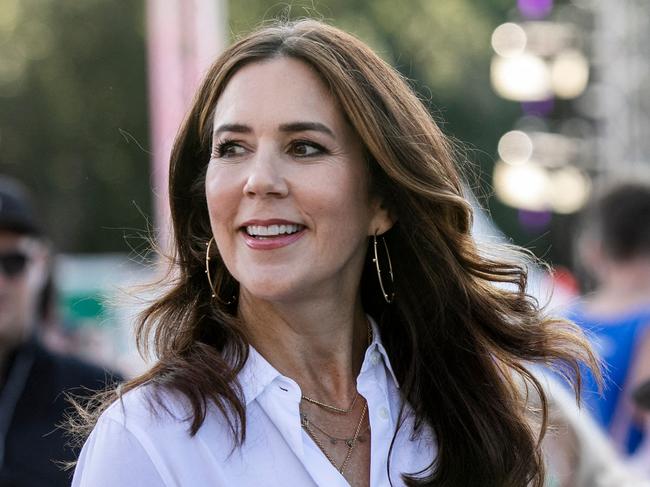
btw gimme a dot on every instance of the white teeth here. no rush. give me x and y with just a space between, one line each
271 230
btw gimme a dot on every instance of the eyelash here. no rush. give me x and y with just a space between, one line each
222 147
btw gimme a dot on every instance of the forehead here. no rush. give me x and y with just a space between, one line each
276 91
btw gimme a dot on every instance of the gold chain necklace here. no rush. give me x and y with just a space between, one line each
334 439
333 408
306 424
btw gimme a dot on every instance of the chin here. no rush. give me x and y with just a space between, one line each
274 290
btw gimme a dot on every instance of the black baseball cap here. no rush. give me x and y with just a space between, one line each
16 209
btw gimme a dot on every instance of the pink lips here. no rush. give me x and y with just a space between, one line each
270 243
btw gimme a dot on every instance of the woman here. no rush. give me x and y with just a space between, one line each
331 321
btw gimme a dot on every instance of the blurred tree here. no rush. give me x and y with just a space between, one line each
73 104
73 115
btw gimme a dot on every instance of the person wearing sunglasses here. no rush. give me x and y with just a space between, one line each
33 380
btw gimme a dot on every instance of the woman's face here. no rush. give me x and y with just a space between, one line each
287 186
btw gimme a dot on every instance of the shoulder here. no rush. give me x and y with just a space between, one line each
137 424
146 430
148 408
122 448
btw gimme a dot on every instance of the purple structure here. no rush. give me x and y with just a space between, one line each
534 221
540 108
535 9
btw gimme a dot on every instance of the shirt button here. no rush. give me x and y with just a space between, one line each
374 358
383 413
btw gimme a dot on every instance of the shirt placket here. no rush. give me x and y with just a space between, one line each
371 384
281 402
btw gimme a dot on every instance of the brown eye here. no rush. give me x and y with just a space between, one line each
229 149
306 149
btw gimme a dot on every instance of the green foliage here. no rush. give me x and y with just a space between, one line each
78 89
73 108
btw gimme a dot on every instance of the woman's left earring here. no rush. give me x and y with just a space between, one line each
389 295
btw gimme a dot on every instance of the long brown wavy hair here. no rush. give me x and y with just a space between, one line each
462 328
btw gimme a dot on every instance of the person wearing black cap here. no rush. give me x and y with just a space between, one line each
32 379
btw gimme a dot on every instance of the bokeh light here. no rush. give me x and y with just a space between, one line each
523 186
569 74
508 40
524 77
515 147
569 189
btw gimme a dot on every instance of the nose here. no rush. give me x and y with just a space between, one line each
265 178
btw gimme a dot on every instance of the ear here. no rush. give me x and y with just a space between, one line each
40 267
383 218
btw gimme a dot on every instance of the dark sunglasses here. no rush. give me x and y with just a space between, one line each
13 263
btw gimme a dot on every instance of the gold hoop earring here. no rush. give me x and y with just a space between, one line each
389 298
207 267
233 299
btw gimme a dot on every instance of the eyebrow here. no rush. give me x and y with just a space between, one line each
285 127
306 126
233 127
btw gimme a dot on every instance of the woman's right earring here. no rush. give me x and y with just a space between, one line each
233 299
207 267
387 297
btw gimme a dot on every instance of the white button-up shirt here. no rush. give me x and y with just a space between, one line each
133 446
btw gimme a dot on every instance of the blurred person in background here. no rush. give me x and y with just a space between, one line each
614 248
577 451
32 379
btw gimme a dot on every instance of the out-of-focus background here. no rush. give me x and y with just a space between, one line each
548 99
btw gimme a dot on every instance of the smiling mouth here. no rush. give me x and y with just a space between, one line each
265 232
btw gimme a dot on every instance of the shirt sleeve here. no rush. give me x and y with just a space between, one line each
112 456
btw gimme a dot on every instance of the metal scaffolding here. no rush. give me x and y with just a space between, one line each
622 57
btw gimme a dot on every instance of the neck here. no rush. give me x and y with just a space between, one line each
319 345
624 286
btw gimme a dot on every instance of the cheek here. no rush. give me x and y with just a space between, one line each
352 190
344 199
222 195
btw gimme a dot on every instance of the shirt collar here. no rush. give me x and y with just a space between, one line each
377 345
257 373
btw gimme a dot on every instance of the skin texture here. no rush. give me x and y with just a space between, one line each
300 302
19 294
